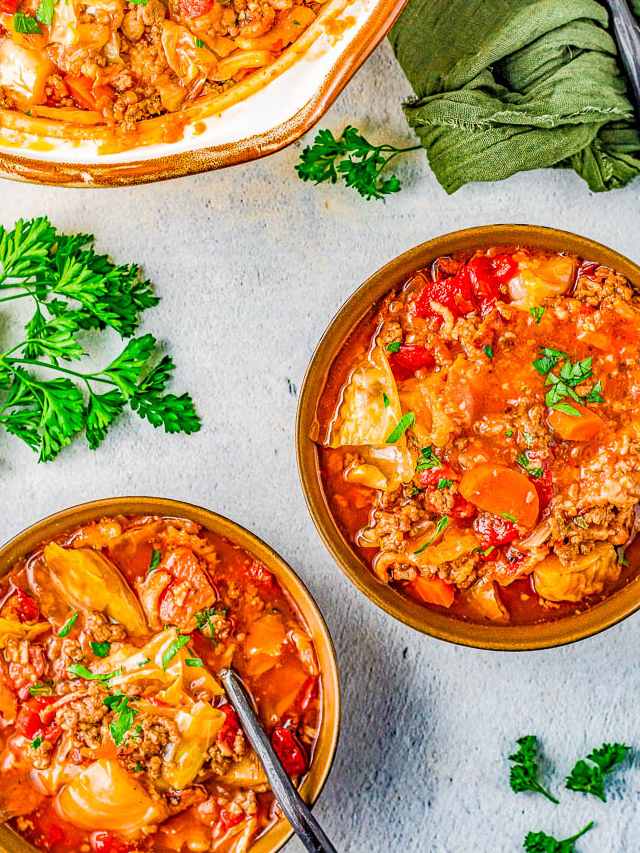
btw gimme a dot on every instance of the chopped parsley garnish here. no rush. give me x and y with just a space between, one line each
488 550
173 650
563 384
540 842
124 720
444 484
622 559
394 346
523 460
440 526
194 662
525 770
40 689
24 24
204 620
488 351
68 625
415 491
44 12
536 312
199 43
144 662
589 778
138 767
82 672
100 650
509 433
156 556
36 742
386 400
508 516
428 460
404 423
528 438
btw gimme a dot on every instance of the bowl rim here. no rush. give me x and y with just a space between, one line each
19 545
613 609
196 161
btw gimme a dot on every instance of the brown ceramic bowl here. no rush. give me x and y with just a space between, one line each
611 610
276 836
259 115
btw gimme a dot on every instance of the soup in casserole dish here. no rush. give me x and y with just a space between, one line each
115 732
480 434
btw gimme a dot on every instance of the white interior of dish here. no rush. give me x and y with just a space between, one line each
271 106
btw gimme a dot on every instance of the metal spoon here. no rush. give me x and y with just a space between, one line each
293 806
627 33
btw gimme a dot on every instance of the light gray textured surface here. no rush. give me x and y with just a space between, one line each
251 265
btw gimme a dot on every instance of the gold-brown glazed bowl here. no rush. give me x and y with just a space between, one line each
569 629
266 111
280 832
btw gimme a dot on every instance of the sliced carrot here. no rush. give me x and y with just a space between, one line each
86 93
433 591
573 427
502 491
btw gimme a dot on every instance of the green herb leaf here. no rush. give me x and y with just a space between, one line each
589 778
509 433
173 650
386 400
41 689
488 351
444 484
523 460
428 460
101 650
138 767
23 24
622 559
82 672
68 625
594 396
193 662
508 516
536 312
44 12
37 742
442 524
524 773
350 158
156 556
404 423
124 721
199 43
540 842
394 346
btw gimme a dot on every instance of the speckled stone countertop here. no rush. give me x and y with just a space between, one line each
251 265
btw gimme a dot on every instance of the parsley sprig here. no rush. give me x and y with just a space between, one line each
589 778
563 384
526 768
73 289
353 159
540 842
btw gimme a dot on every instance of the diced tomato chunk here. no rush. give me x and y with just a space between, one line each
195 8
9 6
408 359
290 751
36 719
433 591
230 728
453 293
229 819
24 606
493 530
430 477
28 723
308 693
488 276
105 842
462 508
260 576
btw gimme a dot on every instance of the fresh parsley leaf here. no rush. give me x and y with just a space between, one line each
508 516
523 460
350 158
536 312
193 662
394 346
199 43
74 289
124 720
101 650
36 742
44 12
563 385
488 351
40 689
540 842
589 778
68 625
386 400
138 767
442 524
428 460
82 672
525 770
594 396
509 433
144 662
444 484
156 556
404 423
173 650
24 24
622 559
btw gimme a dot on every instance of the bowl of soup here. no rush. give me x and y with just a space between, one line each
468 432
116 618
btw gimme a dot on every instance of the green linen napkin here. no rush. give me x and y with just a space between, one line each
504 86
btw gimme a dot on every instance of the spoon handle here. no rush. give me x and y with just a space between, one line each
627 34
293 806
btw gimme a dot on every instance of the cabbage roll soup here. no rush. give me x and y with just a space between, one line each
116 733
481 435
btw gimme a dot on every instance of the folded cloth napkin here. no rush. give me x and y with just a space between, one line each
508 85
